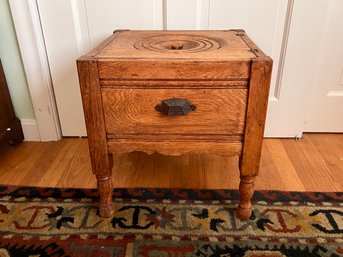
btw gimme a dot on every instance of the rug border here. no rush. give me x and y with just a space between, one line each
170 194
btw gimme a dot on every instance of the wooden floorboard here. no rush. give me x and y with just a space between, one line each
314 163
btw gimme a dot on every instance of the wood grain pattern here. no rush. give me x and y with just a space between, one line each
256 116
179 83
105 187
203 45
246 189
218 111
168 92
95 124
279 163
286 164
322 166
254 48
254 129
175 148
93 109
54 166
171 69
97 49
179 137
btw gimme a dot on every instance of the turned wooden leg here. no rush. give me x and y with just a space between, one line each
105 188
246 190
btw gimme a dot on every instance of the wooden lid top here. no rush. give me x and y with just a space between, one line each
130 44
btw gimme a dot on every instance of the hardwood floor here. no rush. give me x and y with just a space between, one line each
314 163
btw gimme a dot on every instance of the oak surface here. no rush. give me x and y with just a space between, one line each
261 70
314 163
179 147
132 111
220 44
168 69
95 124
140 111
256 115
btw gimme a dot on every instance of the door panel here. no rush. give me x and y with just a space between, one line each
181 14
288 104
287 30
85 24
326 100
65 39
108 15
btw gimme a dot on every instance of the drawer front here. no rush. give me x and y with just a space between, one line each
132 111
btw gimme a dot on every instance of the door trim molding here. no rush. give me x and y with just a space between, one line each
30 38
283 50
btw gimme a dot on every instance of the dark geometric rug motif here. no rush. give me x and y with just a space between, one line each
42 222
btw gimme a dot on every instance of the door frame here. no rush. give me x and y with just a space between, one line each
31 43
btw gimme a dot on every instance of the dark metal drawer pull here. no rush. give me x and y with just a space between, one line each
175 107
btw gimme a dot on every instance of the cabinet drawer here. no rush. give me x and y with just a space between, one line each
132 111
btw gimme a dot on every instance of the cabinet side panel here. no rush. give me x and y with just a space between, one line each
256 115
94 116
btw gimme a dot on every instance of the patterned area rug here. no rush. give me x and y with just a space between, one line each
41 222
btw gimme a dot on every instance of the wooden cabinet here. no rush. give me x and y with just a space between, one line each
10 126
175 92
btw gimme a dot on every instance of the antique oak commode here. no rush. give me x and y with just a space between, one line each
175 92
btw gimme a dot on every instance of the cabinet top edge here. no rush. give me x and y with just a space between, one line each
233 44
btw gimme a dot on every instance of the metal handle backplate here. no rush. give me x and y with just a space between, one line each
175 107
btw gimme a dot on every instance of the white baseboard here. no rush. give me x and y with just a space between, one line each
30 129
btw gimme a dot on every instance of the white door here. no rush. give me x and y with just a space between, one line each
326 99
71 28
